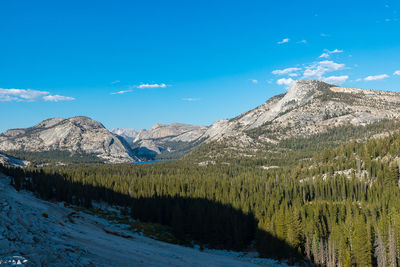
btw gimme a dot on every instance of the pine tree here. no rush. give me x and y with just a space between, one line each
361 246
380 250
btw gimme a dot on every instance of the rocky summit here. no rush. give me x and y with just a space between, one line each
309 107
75 135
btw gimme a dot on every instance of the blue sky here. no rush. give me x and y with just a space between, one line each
131 64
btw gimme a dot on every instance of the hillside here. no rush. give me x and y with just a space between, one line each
50 234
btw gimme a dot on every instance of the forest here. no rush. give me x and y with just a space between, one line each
338 207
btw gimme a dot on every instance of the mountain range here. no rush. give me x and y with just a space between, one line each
308 108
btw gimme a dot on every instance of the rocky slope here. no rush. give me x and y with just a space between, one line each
12 161
309 107
167 137
75 135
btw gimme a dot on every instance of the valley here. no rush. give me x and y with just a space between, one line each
309 178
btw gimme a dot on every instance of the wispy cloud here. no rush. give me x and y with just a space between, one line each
324 35
121 92
328 53
397 72
28 95
324 55
115 82
302 42
154 85
190 99
287 82
285 71
285 40
376 77
254 81
336 79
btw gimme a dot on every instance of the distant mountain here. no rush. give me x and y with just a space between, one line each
128 134
168 138
77 135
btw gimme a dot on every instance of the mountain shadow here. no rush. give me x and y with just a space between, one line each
206 222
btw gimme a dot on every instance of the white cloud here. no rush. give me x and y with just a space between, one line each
286 40
317 70
28 95
376 77
287 82
293 74
330 65
154 85
336 79
397 72
285 71
190 99
121 92
324 35
254 81
57 98
115 82
328 53
302 42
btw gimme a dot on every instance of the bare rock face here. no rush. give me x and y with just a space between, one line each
165 136
128 134
76 135
309 107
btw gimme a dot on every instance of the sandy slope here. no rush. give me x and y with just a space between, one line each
67 238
